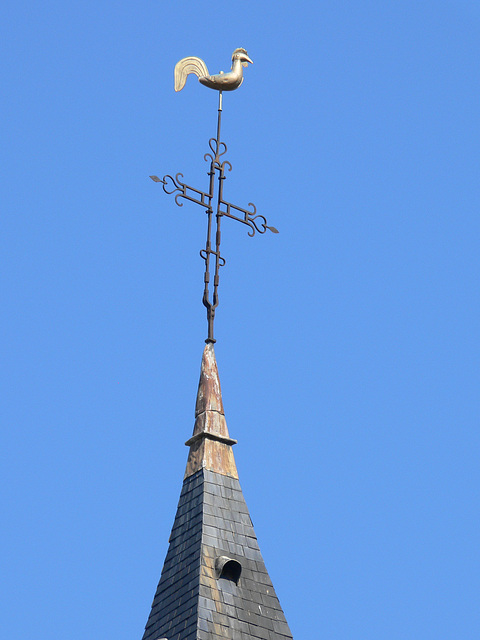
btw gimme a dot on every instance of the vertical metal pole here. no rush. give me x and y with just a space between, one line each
221 177
208 245
220 101
211 306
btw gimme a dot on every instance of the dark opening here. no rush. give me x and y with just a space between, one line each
228 569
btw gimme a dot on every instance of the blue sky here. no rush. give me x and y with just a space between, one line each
347 345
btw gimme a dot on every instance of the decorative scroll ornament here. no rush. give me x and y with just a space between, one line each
171 185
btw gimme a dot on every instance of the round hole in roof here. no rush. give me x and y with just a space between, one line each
228 569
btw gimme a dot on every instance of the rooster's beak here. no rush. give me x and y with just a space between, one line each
247 59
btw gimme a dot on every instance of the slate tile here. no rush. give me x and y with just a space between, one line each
210 542
228 598
252 554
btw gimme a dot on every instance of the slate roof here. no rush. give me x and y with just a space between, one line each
194 600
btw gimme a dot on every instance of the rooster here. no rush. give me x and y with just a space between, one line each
222 81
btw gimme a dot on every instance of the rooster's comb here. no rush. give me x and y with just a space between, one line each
240 50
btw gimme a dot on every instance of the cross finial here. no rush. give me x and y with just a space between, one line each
255 222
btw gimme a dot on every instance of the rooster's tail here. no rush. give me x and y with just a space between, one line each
189 65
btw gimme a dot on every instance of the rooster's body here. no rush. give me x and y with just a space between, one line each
222 81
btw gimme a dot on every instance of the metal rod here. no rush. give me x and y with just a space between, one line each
211 306
219 121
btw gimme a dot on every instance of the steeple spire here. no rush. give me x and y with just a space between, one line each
210 445
214 584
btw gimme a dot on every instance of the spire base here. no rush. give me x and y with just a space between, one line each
211 454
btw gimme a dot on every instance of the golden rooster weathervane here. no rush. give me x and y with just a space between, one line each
257 223
222 81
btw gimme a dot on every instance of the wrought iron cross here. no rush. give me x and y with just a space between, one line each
256 223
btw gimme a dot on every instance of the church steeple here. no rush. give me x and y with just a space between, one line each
214 584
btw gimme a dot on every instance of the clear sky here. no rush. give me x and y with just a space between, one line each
348 345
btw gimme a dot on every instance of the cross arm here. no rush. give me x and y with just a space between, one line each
255 222
172 185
